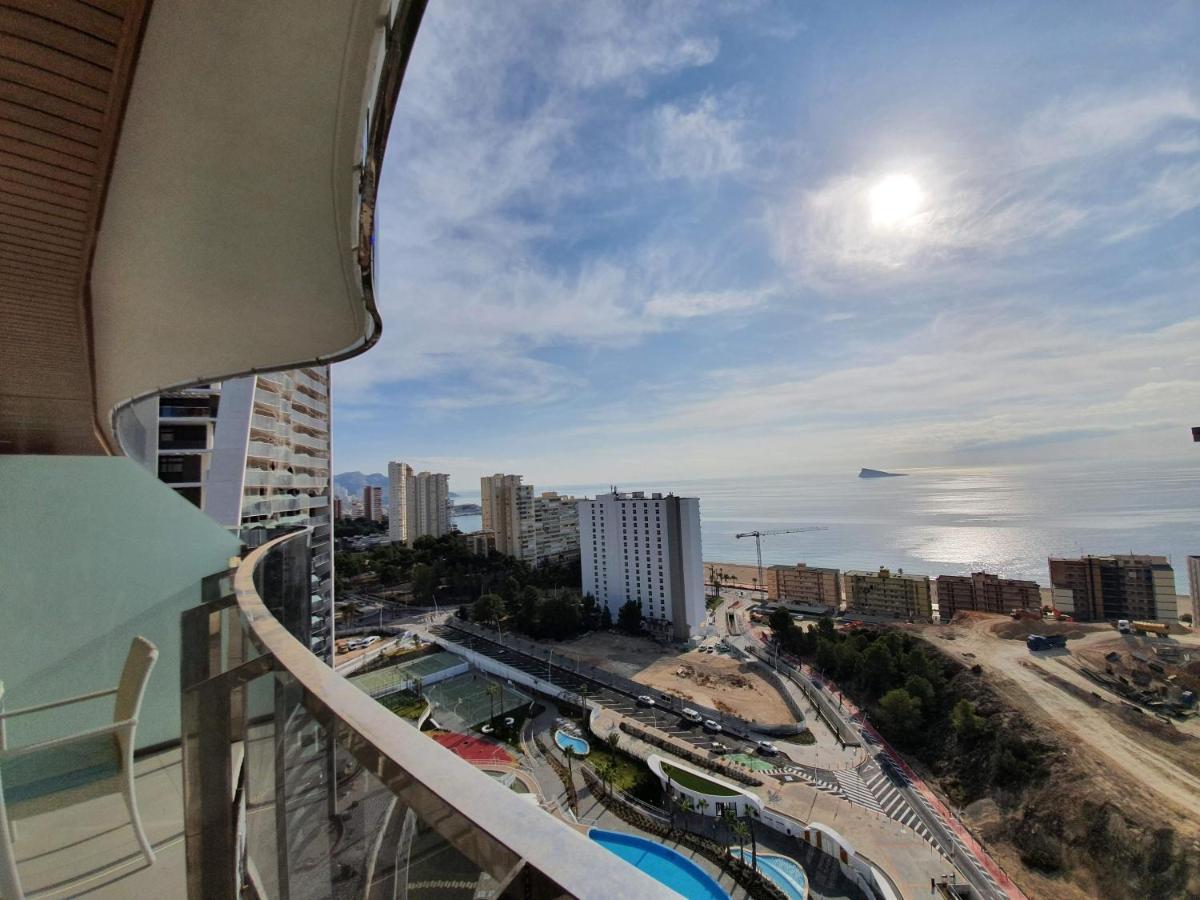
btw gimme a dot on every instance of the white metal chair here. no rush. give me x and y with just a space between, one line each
85 764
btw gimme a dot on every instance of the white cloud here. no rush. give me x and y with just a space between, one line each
700 143
687 306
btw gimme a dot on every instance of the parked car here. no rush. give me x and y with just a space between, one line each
712 725
645 700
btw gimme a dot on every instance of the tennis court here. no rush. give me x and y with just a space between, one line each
382 682
465 697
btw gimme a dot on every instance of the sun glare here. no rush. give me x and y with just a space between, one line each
895 199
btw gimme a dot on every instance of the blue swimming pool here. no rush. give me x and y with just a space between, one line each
662 864
578 744
785 872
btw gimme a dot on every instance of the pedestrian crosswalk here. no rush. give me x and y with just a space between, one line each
856 790
891 801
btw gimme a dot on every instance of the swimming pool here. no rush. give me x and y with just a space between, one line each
662 864
578 744
785 872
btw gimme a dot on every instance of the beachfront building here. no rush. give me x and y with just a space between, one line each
645 548
420 504
505 503
888 594
535 529
1121 586
480 543
810 585
984 592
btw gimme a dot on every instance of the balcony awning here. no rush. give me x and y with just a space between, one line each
228 235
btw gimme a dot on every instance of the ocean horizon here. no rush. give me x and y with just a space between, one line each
943 520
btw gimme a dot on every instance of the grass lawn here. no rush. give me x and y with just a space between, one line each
404 704
698 784
629 774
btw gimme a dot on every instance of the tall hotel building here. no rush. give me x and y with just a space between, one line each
645 549
372 501
420 504
254 454
1121 586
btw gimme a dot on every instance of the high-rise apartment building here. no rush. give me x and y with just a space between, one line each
887 593
420 503
535 529
985 592
645 549
554 535
253 453
1122 586
505 502
804 584
372 501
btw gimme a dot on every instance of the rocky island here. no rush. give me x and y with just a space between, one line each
876 473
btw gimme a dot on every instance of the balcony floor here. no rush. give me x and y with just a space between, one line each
88 850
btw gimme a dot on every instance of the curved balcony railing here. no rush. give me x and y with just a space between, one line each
296 783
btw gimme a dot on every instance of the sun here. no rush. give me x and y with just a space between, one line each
894 200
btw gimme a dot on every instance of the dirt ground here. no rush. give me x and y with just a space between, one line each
708 679
1132 757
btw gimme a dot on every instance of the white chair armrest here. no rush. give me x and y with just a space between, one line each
14 752
13 713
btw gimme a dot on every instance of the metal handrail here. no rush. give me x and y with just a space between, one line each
471 811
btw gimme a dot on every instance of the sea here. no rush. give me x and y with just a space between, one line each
935 521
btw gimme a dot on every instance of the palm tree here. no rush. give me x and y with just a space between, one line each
703 805
583 693
614 739
727 818
606 769
741 831
686 806
751 814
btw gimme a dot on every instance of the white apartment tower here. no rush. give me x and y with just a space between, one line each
253 453
645 549
420 503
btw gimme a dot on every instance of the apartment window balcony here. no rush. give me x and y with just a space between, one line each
309 441
300 418
268 423
316 387
320 407
185 469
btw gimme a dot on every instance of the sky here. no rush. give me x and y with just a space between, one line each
655 240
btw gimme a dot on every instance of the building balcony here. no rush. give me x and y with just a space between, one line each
303 380
299 418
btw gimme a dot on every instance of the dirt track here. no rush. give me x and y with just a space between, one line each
1048 688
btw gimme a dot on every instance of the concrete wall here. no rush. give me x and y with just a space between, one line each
93 551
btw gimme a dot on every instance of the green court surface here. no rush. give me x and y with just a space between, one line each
754 763
466 697
383 681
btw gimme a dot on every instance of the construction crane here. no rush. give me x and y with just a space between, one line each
759 535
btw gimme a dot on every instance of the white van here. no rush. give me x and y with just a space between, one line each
691 715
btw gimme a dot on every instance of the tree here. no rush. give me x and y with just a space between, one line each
966 723
606 769
727 819
742 831
878 668
561 617
827 656
922 690
422 583
825 628
487 609
606 619
629 617
900 712
781 623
